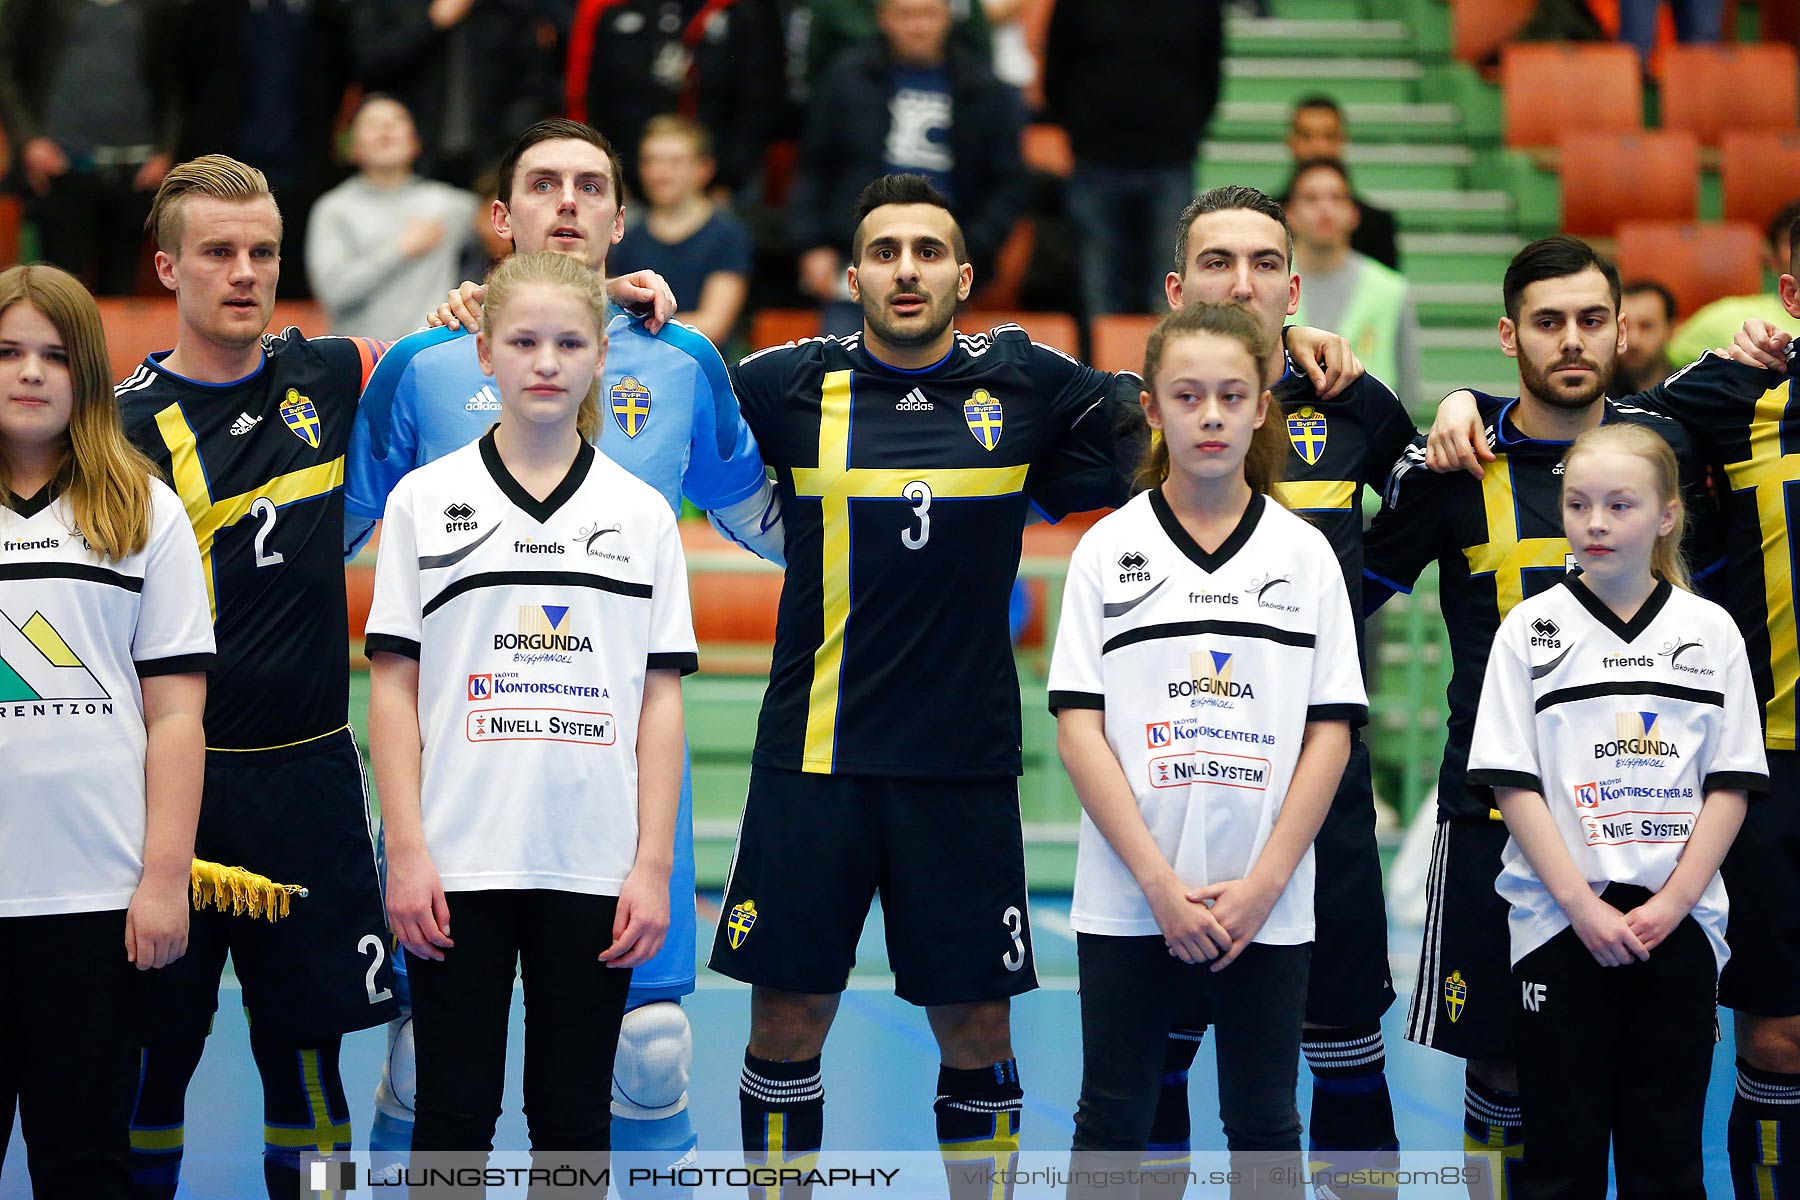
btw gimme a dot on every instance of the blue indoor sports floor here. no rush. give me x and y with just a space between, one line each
880 1072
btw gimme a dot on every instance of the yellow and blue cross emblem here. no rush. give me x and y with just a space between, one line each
630 405
1306 430
985 419
1456 994
301 417
742 919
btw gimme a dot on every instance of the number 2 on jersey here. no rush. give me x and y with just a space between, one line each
371 944
919 492
264 510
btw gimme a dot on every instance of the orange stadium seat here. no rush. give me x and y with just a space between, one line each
1759 173
1052 329
1699 263
1549 88
1612 177
1119 341
778 326
1479 28
1710 89
135 327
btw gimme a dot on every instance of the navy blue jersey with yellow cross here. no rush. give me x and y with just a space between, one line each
905 495
1496 541
259 465
1336 448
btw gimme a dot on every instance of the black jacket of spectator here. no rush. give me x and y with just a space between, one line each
33 37
508 78
1134 84
845 147
718 61
1376 235
214 76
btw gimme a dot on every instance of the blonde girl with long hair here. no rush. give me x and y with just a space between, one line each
1619 729
105 639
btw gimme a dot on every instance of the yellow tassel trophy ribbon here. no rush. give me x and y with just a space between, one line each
241 892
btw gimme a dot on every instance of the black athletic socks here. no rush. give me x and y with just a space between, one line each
782 1106
1493 1139
304 1110
158 1117
1352 1125
978 1114
1762 1135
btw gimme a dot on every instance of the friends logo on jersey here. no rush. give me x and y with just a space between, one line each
1637 738
1307 433
1210 766
42 676
301 417
1211 684
547 630
540 725
630 402
1682 656
985 418
1273 592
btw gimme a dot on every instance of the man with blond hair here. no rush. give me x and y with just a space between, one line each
251 428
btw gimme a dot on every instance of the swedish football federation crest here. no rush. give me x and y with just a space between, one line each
985 418
1306 430
630 405
301 417
1456 994
740 922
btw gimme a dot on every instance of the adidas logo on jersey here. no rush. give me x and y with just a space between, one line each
244 424
483 401
914 401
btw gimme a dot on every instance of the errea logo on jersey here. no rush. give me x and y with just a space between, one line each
461 518
1133 567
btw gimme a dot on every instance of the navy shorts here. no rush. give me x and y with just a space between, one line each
1762 878
1466 1002
298 815
946 855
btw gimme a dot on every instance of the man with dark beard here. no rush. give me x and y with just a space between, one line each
1497 539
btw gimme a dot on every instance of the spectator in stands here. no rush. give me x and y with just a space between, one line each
827 28
384 246
1715 324
1014 63
701 249
1347 292
914 101
1134 161
718 61
264 83
473 73
90 156
1695 21
1317 130
1648 309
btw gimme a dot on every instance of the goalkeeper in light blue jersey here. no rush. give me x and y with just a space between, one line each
671 420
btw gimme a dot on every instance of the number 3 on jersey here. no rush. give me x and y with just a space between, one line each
266 515
919 492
